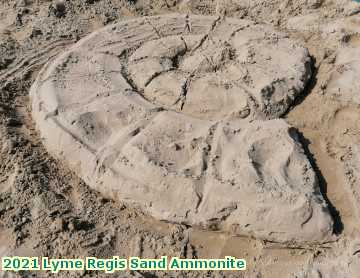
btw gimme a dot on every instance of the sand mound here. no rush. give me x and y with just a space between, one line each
344 83
168 113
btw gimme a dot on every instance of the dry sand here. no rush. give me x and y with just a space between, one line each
47 205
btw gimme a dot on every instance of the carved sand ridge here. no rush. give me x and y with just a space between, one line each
177 114
344 83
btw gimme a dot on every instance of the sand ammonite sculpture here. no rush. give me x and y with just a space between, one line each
176 114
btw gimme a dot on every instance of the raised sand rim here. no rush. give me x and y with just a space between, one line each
177 114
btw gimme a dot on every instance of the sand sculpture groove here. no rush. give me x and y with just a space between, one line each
177 114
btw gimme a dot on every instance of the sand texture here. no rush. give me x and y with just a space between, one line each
188 128
170 113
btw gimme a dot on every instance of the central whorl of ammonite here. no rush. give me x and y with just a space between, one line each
200 77
230 71
176 114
